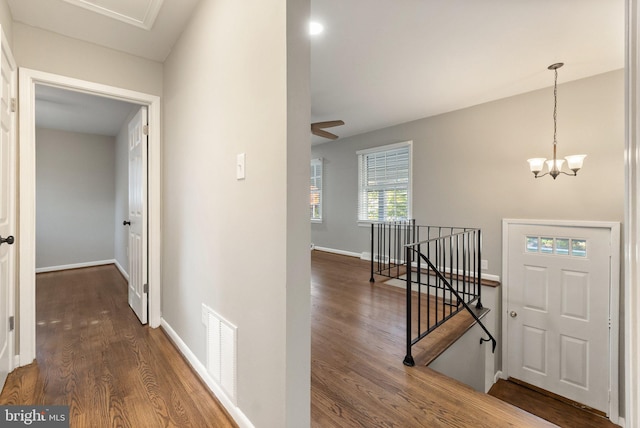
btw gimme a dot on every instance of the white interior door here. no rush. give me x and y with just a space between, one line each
138 268
558 310
7 206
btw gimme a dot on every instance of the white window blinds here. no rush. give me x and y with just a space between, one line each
384 183
316 190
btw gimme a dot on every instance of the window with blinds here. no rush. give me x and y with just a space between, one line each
384 183
316 190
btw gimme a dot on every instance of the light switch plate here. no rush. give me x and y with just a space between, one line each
240 173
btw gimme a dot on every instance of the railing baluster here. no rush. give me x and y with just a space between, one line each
372 279
419 281
379 245
408 359
479 271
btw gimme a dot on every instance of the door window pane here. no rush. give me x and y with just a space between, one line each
562 246
532 244
546 245
579 247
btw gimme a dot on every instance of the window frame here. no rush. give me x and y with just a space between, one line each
377 150
317 162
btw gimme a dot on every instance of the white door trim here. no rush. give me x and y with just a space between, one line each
27 206
614 297
12 197
632 218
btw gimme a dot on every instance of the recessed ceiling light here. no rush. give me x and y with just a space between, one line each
315 28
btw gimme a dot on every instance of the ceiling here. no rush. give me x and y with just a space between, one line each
117 24
79 112
384 62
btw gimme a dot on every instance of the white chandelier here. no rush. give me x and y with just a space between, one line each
554 166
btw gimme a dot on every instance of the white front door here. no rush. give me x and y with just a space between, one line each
138 214
558 282
7 205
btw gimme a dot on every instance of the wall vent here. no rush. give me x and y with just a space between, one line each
221 351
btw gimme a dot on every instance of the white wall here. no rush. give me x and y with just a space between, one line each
74 198
51 52
470 169
237 82
6 21
464 360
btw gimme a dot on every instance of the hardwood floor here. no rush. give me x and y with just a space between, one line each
357 375
95 356
558 412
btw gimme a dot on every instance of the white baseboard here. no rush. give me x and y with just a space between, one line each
621 422
367 256
22 362
334 251
497 376
121 269
16 361
75 266
235 412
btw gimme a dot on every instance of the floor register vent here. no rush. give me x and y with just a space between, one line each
221 351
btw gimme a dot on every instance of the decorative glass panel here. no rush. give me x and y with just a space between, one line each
562 246
579 247
559 246
315 190
546 245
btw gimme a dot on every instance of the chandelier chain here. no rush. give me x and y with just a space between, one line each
555 106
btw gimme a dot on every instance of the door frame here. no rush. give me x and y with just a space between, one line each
614 298
28 79
13 211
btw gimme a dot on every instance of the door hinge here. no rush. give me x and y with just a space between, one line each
145 129
12 323
14 105
146 288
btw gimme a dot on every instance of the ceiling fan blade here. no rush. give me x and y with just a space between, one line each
327 124
325 134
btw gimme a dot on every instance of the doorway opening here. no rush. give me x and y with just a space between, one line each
30 82
81 173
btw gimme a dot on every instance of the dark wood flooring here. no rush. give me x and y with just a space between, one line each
551 409
95 356
357 348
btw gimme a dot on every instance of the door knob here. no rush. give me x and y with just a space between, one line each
9 240
513 314
126 223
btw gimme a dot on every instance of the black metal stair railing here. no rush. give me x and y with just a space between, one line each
447 280
388 240
441 267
